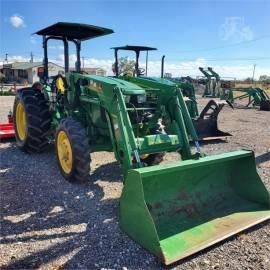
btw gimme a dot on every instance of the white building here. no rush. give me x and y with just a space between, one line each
27 72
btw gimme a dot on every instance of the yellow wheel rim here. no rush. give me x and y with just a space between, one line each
21 121
144 156
64 151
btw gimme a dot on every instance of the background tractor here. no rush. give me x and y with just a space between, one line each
172 210
250 96
206 123
212 82
226 90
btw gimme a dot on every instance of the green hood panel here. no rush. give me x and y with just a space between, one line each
127 88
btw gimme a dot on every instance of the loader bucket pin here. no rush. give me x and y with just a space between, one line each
176 210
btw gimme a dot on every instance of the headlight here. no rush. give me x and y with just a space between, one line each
141 98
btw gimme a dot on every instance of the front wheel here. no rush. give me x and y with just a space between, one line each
72 150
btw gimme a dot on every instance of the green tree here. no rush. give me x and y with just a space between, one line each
248 80
125 65
264 79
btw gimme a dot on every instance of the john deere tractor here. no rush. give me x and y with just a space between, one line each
212 83
205 122
172 210
250 97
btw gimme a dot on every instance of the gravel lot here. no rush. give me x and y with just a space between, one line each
48 223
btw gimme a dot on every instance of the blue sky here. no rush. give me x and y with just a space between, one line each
229 35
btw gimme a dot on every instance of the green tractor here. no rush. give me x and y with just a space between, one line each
212 83
206 123
250 96
172 210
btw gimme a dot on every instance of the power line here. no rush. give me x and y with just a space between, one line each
248 58
210 49
83 61
228 59
227 46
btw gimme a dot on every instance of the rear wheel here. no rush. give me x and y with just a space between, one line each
72 150
32 120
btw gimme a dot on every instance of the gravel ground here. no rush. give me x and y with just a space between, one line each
48 223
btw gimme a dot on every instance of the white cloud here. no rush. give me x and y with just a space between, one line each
187 68
235 29
17 21
88 62
177 68
237 71
53 47
19 58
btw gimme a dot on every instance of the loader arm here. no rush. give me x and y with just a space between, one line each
214 73
205 123
208 86
205 73
128 145
216 88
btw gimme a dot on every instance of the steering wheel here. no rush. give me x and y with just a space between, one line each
126 73
141 71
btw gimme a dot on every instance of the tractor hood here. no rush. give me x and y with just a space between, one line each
127 88
151 82
158 80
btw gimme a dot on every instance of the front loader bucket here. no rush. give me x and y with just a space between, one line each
176 210
207 129
206 125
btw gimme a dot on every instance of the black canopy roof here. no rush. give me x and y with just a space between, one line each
74 31
134 48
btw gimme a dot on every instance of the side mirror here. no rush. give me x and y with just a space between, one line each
40 72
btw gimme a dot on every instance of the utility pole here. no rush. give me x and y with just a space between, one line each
83 62
146 63
31 57
254 67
